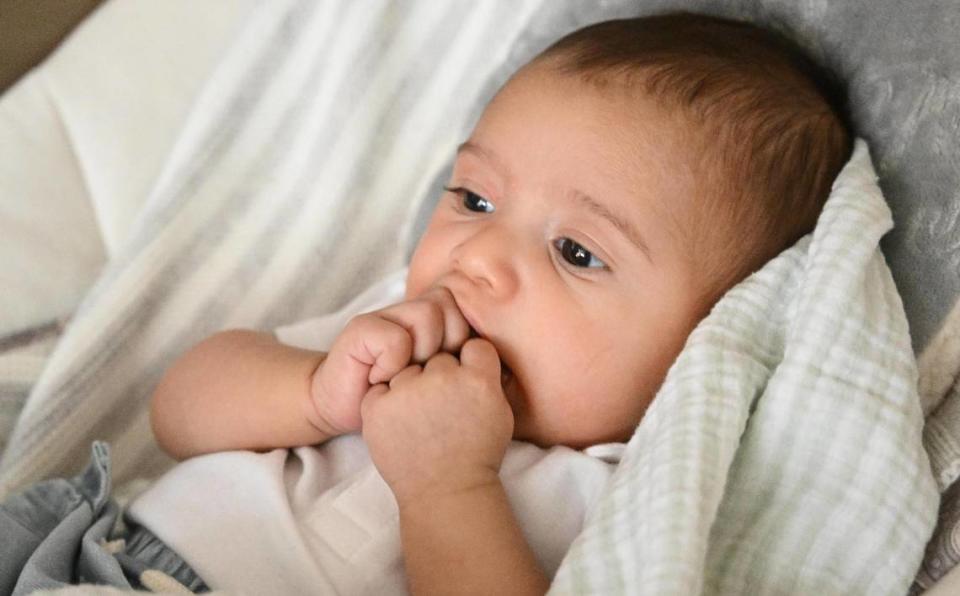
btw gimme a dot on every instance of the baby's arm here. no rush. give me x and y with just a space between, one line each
438 435
245 390
237 389
468 543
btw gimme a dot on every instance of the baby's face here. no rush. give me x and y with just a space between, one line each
558 240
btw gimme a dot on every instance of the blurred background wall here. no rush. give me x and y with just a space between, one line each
31 29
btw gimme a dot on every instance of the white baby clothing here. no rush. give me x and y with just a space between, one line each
321 520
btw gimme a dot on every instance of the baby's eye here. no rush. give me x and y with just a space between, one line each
472 201
577 255
475 202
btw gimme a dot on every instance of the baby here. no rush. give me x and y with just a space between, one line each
611 192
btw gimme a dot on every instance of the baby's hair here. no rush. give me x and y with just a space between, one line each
771 130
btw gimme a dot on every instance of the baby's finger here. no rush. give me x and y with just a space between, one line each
456 330
423 320
411 372
380 343
441 361
480 354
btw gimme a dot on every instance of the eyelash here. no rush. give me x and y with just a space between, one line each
564 246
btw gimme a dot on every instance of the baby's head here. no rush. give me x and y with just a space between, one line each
611 192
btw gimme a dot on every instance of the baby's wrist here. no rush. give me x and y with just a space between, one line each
314 406
464 485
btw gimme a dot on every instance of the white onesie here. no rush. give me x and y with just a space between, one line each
321 520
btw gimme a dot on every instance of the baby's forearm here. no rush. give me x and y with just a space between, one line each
237 389
468 542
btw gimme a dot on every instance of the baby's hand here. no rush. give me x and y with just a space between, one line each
373 347
441 429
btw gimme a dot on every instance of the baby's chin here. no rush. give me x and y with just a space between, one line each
531 431
546 442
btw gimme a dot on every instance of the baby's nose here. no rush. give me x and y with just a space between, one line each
489 259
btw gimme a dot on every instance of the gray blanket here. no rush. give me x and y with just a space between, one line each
61 532
53 532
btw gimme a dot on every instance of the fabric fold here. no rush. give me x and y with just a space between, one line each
783 453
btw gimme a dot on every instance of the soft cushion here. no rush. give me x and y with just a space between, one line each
83 138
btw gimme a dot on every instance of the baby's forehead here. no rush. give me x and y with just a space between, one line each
626 139
623 115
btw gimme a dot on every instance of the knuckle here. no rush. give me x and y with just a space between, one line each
387 331
396 332
397 337
363 322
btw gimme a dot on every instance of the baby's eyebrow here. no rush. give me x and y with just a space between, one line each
471 147
619 222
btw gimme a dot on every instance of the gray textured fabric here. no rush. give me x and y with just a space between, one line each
54 532
143 552
901 62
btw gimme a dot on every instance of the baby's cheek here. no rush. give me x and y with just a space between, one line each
415 284
422 264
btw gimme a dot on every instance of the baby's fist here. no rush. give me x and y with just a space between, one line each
375 346
441 428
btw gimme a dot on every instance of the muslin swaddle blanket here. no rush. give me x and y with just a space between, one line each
783 453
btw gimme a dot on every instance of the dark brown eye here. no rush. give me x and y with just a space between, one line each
475 202
577 255
470 200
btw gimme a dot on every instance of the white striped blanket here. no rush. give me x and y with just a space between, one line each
294 185
783 453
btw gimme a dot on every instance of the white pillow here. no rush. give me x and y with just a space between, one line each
83 137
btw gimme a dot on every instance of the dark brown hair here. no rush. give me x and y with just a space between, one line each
770 126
